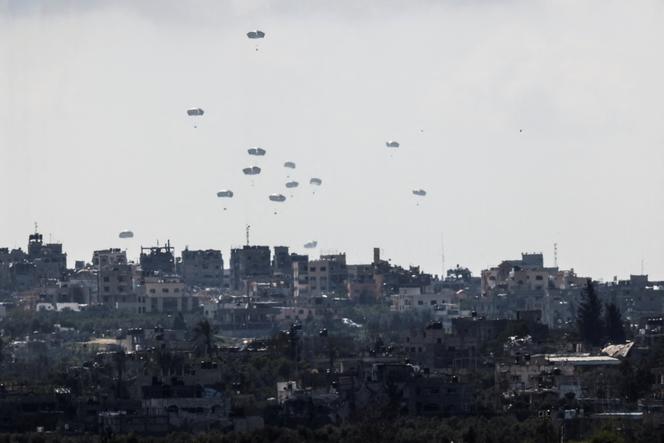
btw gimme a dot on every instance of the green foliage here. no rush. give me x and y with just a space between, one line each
613 324
589 320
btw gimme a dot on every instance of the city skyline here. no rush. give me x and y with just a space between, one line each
520 142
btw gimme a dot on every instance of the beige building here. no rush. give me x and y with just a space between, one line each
164 294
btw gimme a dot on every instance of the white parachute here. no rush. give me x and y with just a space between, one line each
256 151
225 193
419 192
279 198
392 144
289 165
251 170
256 34
292 184
126 234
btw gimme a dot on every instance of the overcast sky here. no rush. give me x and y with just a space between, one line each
94 136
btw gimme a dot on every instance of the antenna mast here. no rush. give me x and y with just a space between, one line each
442 256
555 255
248 227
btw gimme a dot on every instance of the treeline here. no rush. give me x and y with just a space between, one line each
411 430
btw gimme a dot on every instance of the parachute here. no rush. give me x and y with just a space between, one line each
252 170
289 165
311 244
195 112
126 234
225 193
316 181
256 151
279 198
256 34
419 192
292 184
392 144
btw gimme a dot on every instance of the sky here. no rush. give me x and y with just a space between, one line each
528 123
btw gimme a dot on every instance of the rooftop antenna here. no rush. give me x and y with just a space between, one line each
36 227
442 255
248 228
555 255
642 269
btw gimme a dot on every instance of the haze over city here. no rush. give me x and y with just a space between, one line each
528 123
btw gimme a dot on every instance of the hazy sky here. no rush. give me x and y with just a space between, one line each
94 136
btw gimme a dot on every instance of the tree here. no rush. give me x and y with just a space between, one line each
588 319
613 324
203 337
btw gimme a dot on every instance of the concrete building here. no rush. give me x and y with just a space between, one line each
247 263
49 260
117 287
113 256
328 275
204 268
164 294
158 260
361 283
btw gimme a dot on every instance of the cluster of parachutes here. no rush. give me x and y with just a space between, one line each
256 170
197 113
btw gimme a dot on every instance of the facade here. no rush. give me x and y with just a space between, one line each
158 260
49 260
247 263
204 268
328 275
164 294
116 286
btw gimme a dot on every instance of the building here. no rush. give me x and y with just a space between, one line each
164 294
247 263
328 275
158 260
113 256
204 268
117 287
48 259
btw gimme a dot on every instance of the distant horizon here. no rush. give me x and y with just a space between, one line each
318 252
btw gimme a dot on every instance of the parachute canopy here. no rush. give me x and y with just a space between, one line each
311 244
195 111
226 193
292 184
419 192
316 181
392 144
252 170
126 234
256 34
256 151
277 198
289 165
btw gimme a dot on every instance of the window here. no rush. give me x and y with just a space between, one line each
121 278
121 288
539 277
107 289
420 302
152 291
434 302
106 279
165 290
176 290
